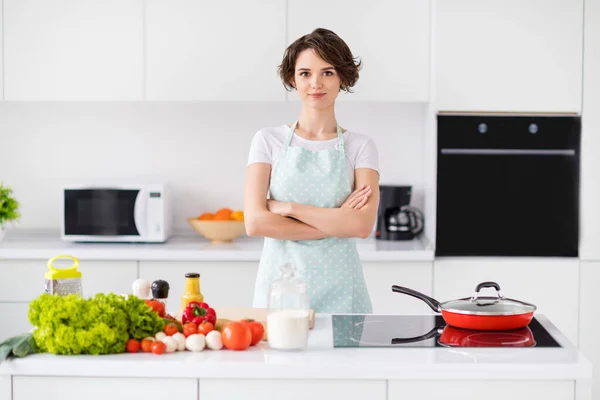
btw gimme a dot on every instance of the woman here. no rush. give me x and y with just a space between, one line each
310 169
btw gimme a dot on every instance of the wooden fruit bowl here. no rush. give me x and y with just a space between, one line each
218 231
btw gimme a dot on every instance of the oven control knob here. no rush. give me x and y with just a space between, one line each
482 128
533 129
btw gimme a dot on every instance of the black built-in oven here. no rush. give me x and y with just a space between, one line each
508 185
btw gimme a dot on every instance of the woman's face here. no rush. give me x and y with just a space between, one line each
316 81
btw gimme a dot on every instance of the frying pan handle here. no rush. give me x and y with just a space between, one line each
432 333
431 302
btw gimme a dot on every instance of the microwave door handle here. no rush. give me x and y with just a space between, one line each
139 212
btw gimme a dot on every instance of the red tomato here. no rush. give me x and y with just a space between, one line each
133 346
158 347
236 336
157 306
256 328
205 327
147 345
189 328
171 329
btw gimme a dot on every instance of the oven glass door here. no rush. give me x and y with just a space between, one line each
520 203
100 212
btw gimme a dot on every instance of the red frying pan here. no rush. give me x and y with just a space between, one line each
479 312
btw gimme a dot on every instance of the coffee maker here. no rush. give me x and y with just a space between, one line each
396 219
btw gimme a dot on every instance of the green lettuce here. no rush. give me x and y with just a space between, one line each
99 325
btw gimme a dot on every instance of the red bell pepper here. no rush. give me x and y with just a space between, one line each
197 313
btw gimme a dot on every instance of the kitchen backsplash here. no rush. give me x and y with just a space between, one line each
199 149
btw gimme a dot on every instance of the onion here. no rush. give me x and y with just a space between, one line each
213 340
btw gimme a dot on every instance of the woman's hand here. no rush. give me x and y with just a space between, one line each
279 207
358 198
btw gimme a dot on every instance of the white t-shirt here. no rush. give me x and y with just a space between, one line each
268 145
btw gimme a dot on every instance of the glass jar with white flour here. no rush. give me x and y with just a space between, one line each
289 310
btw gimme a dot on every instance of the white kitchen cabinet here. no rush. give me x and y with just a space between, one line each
1 59
476 390
513 55
271 389
67 388
552 284
5 387
589 323
391 37
590 136
380 276
26 277
73 50
15 321
214 51
223 283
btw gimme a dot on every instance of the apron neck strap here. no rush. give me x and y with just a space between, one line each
293 128
340 138
290 135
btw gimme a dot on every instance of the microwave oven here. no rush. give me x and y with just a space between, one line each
121 213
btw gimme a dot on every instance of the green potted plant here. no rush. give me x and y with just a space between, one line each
8 208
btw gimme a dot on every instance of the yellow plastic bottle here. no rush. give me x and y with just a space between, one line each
192 289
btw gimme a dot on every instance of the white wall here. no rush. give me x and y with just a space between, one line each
199 149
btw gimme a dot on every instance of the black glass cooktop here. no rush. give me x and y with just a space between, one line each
371 330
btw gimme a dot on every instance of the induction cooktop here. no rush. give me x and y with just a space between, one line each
371 330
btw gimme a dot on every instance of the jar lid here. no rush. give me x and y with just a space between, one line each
288 282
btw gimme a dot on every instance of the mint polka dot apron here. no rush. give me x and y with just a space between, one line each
331 267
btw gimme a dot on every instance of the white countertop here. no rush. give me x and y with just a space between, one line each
35 245
322 361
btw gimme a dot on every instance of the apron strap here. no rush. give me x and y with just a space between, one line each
290 135
288 140
340 138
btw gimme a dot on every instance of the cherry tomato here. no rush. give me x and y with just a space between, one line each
133 346
170 329
205 327
147 345
159 347
256 328
189 328
157 306
236 336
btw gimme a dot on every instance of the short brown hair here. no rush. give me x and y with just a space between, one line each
331 48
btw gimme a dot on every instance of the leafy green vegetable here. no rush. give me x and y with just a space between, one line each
98 325
17 346
24 346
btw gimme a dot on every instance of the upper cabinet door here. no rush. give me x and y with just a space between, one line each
214 51
391 37
508 55
1 60
73 50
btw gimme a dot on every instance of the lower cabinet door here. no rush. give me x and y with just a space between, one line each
74 388
224 389
223 283
552 284
380 276
477 390
5 387
14 320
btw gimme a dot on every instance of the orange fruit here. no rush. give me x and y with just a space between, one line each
237 215
206 217
223 214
